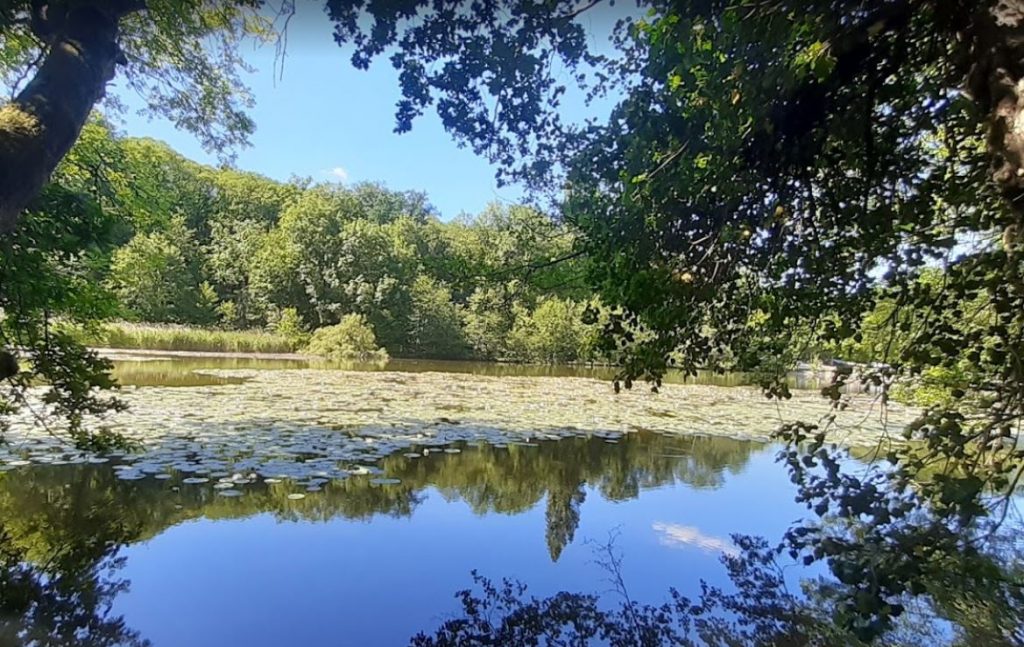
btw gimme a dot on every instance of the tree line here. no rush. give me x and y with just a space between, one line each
197 245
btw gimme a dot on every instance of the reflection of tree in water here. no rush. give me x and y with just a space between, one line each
562 517
58 564
63 525
960 611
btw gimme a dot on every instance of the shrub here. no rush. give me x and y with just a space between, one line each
351 338
289 325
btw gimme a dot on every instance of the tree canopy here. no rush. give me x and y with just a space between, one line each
774 172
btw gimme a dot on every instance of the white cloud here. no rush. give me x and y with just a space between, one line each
339 173
676 536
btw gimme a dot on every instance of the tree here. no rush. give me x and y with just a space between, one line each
554 333
488 317
50 269
338 263
240 197
229 263
174 52
435 327
181 54
155 277
157 185
505 243
378 204
774 171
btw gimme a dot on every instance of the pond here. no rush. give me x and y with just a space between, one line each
156 368
280 504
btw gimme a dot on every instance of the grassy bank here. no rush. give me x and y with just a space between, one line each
185 338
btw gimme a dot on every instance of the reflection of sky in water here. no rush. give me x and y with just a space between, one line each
357 563
259 581
675 535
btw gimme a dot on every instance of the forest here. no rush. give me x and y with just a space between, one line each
221 248
225 260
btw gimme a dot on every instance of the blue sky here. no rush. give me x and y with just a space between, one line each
326 120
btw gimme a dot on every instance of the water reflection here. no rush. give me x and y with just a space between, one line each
59 560
676 535
176 371
64 525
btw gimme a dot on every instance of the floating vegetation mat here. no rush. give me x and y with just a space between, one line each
313 426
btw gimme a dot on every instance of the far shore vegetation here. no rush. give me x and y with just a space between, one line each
220 260
174 337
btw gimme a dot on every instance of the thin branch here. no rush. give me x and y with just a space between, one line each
33 65
577 11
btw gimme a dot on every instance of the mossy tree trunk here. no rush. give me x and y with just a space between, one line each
996 82
42 123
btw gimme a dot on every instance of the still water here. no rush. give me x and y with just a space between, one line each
371 557
193 370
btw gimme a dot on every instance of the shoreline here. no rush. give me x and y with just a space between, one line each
115 353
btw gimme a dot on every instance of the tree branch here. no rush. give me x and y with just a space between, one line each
579 10
43 122
809 105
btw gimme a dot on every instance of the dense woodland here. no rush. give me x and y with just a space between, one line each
189 244
178 243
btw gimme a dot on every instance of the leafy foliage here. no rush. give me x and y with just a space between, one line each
155 277
554 333
435 327
762 612
350 338
181 56
774 174
48 268
486 67
202 246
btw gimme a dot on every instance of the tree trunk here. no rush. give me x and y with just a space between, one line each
996 82
40 126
